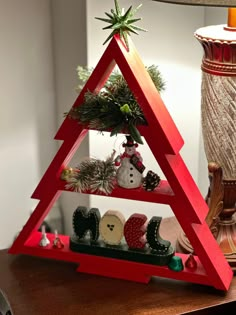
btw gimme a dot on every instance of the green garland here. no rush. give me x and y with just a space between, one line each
114 108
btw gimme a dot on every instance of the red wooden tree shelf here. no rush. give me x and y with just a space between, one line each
162 194
179 190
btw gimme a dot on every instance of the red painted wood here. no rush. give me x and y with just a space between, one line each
34 222
126 269
115 268
179 191
51 178
208 250
162 194
180 180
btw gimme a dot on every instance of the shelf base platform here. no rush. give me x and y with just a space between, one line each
122 251
112 267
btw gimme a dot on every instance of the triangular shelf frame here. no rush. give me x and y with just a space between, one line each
165 142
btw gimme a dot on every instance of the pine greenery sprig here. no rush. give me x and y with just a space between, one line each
121 22
115 107
93 175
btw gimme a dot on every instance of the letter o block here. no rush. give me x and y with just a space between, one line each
111 227
134 231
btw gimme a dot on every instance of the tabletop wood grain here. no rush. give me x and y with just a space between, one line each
37 286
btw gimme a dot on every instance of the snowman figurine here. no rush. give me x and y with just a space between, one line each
130 166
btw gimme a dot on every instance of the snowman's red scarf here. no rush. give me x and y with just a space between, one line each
126 155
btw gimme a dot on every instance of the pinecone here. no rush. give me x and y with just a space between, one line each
151 181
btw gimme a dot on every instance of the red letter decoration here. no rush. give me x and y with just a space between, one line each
134 231
111 227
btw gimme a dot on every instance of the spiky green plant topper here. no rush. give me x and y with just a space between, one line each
121 22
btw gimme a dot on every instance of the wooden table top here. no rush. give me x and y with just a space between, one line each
37 286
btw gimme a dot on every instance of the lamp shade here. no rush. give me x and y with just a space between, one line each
214 3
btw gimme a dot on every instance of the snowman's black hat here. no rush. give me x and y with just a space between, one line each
130 142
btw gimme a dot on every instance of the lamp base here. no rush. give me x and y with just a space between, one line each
221 218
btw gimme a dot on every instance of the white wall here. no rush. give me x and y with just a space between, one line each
70 50
170 44
215 16
27 107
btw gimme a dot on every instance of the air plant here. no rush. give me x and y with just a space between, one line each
121 22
